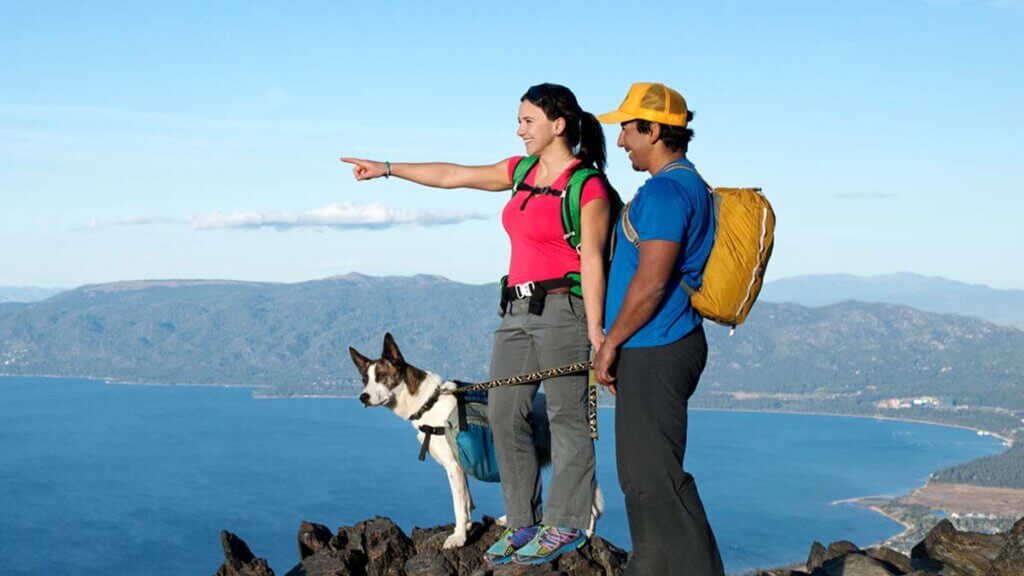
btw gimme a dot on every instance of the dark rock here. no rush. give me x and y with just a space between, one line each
426 539
330 562
430 563
374 547
466 559
816 557
1010 561
379 548
596 557
312 539
895 561
952 553
387 547
840 548
853 564
239 559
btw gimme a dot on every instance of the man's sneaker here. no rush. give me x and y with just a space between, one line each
511 540
548 544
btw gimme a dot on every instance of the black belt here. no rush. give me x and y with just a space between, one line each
536 292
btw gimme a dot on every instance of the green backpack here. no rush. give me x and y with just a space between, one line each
572 211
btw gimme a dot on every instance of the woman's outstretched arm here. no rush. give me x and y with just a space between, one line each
437 174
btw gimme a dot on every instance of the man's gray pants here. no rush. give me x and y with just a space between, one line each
667 523
526 343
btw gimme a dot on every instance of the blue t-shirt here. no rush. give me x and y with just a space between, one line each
674 205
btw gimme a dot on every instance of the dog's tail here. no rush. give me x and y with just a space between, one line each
596 510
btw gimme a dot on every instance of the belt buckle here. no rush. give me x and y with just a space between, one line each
524 290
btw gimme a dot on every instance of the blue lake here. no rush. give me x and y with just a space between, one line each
114 479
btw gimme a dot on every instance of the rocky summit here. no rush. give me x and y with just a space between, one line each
945 551
378 547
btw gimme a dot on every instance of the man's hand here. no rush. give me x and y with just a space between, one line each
604 362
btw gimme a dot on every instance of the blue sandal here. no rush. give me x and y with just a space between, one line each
548 544
511 540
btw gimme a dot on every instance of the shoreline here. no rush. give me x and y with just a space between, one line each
863 502
908 528
1007 442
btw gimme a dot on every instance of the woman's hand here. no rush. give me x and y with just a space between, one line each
366 169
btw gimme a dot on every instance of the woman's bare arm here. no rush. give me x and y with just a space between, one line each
493 178
593 238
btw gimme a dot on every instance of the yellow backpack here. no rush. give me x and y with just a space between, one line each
744 235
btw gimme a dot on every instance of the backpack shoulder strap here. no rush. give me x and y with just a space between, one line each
687 168
521 170
715 202
628 230
572 204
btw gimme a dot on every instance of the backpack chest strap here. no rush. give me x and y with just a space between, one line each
536 191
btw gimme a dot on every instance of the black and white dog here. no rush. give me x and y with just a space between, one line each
390 381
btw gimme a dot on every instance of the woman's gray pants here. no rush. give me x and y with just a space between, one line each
526 343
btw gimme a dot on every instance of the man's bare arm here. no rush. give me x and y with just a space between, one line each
643 296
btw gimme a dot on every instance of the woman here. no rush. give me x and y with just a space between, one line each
544 324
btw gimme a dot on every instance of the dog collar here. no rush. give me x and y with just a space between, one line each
428 405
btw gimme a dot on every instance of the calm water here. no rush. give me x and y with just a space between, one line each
110 479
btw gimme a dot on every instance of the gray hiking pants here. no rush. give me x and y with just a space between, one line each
670 531
526 343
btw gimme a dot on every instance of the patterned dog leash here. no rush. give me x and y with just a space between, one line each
545 375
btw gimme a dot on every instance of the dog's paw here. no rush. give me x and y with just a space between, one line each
456 540
503 521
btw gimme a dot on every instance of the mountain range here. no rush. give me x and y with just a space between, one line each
26 293
292 338
932 294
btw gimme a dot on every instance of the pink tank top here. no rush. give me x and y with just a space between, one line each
539 250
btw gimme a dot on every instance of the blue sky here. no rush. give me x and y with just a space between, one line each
200 140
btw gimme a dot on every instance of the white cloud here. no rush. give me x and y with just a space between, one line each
129 221
335 216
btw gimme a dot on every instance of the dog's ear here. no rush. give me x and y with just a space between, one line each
391 352
362 362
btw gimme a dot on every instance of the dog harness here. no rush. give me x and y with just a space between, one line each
468 433
428 431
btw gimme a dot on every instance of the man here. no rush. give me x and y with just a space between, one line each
655 345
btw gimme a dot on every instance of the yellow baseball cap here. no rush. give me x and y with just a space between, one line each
650 101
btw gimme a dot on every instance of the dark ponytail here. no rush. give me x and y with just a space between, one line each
582 130
592 150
